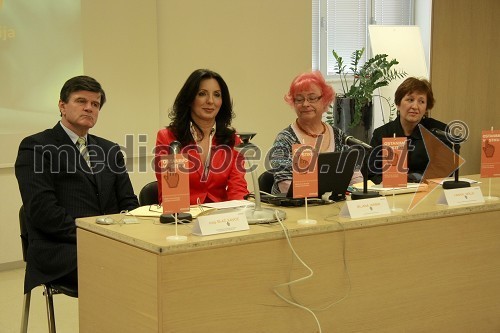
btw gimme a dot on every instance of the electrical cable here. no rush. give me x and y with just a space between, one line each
311 273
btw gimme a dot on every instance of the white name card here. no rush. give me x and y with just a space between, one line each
365 207
461 196
220 223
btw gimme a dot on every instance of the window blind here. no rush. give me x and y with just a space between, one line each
342 25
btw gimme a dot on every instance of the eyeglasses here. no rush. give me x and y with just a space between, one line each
310 99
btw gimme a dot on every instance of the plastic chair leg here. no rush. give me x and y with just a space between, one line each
26 312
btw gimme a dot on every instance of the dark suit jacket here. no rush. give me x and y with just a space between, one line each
417 152
57 187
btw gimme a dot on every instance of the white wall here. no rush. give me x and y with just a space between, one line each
257 46
423 19
120 51
143 51
10 242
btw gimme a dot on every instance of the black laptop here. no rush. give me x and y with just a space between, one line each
335 170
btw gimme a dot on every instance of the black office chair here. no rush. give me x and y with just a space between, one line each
149 194
49 289
266 181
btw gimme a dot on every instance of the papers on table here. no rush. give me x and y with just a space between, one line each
441 181
157 210
409 188
229 204
147 211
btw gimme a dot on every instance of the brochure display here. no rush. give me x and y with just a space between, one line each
175 188
305 176
490 157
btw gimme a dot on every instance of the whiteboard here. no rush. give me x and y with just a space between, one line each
403 43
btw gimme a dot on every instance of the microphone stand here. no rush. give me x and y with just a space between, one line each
451 184
181 217
364 172
257 214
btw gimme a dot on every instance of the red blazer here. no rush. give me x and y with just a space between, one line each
226 175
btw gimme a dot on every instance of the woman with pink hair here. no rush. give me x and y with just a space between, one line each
310 96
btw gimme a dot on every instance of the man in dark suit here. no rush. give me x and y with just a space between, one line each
61 179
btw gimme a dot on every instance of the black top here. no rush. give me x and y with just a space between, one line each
417 154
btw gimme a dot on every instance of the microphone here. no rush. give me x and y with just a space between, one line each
448 136
352 141
455 141
440 133
175 147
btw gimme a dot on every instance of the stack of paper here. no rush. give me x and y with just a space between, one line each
410 188
195 211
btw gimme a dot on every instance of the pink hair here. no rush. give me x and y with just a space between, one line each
305 81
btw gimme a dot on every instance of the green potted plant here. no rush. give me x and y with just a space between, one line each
376 72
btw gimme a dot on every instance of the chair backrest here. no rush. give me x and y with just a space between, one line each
266 181
24 232
149 194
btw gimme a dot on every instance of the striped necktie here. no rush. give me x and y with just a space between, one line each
82 146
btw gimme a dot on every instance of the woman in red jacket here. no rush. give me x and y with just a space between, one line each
201 123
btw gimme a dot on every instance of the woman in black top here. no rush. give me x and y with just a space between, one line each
413 98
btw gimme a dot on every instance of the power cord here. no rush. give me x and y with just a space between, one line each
288 284
346 269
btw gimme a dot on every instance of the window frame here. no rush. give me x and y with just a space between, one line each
320 53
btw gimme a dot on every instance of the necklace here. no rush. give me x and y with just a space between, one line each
195 135
308 133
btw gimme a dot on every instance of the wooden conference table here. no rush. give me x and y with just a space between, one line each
433 269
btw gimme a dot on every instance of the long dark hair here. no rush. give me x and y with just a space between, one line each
181 110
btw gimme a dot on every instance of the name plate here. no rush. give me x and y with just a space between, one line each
461 196
220 223
365 208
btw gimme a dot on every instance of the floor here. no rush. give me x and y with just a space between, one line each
11 304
